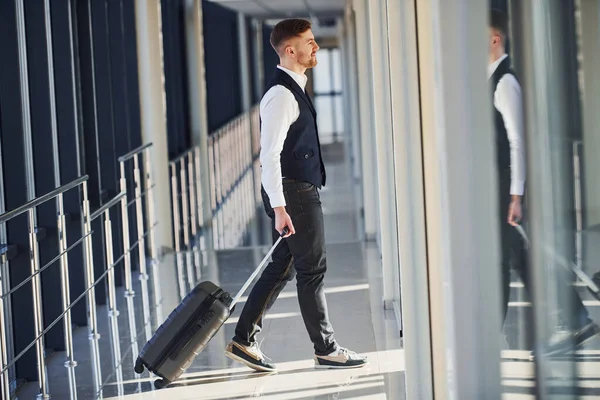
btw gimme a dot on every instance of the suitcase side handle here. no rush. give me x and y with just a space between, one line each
258 270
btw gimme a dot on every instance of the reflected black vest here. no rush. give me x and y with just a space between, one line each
502 144
301 156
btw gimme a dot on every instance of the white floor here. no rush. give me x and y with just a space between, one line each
353 282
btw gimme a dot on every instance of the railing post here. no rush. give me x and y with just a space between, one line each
4 377
64 279
132 332
199 200
139 217
37 306
117 356
180 275
110 260
190 269
184 205
72 384
151 216
89 266
192 193
156 286
125 225
176 221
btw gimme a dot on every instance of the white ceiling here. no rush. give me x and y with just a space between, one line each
273 9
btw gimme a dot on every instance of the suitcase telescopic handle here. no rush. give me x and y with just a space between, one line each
258 270
566 264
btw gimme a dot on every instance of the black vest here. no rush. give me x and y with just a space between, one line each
301 156
502 143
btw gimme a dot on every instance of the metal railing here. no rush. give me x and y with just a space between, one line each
142 188
31 208
234 185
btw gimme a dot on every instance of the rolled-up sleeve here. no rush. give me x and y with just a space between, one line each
278 110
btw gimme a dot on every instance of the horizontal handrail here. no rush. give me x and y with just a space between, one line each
42 199
144 193
145 235
181 156
60 317
45 267
135 151
107 205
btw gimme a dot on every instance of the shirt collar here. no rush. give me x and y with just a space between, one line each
493 66
300 79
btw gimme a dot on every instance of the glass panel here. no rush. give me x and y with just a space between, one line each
321 73
554 298
325 116
336 71
339 115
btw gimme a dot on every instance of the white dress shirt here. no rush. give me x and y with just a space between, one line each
278 110
508 101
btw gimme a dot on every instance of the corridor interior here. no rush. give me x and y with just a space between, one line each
354 294
353 289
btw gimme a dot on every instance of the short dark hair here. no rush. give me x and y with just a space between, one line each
499 21
287 29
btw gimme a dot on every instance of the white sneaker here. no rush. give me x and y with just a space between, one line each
340 359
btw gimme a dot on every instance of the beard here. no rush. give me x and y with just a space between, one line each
309 62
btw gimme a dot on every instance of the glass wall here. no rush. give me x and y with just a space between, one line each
495 138
327 88
556 49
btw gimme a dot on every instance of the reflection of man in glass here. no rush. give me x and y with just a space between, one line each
510 146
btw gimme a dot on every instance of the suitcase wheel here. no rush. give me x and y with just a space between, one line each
139 366
161 383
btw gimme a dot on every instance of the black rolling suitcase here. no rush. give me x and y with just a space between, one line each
189 328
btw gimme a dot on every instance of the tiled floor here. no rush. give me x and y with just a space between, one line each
353 282
353 285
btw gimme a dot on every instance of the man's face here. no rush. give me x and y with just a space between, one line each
305 49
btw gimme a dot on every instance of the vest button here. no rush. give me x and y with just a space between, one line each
306 156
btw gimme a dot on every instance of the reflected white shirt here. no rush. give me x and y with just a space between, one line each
278 110
509 102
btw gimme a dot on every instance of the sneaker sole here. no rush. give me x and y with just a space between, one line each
318 366
248 364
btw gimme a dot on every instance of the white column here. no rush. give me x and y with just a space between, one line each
258 58
369 182
410 199
199 125
461 210
153 109
246 90
353 116
381 126
244 63
197 95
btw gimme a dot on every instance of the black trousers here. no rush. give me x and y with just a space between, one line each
302 256
514 255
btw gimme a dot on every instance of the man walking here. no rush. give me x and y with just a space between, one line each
510 145
292 173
